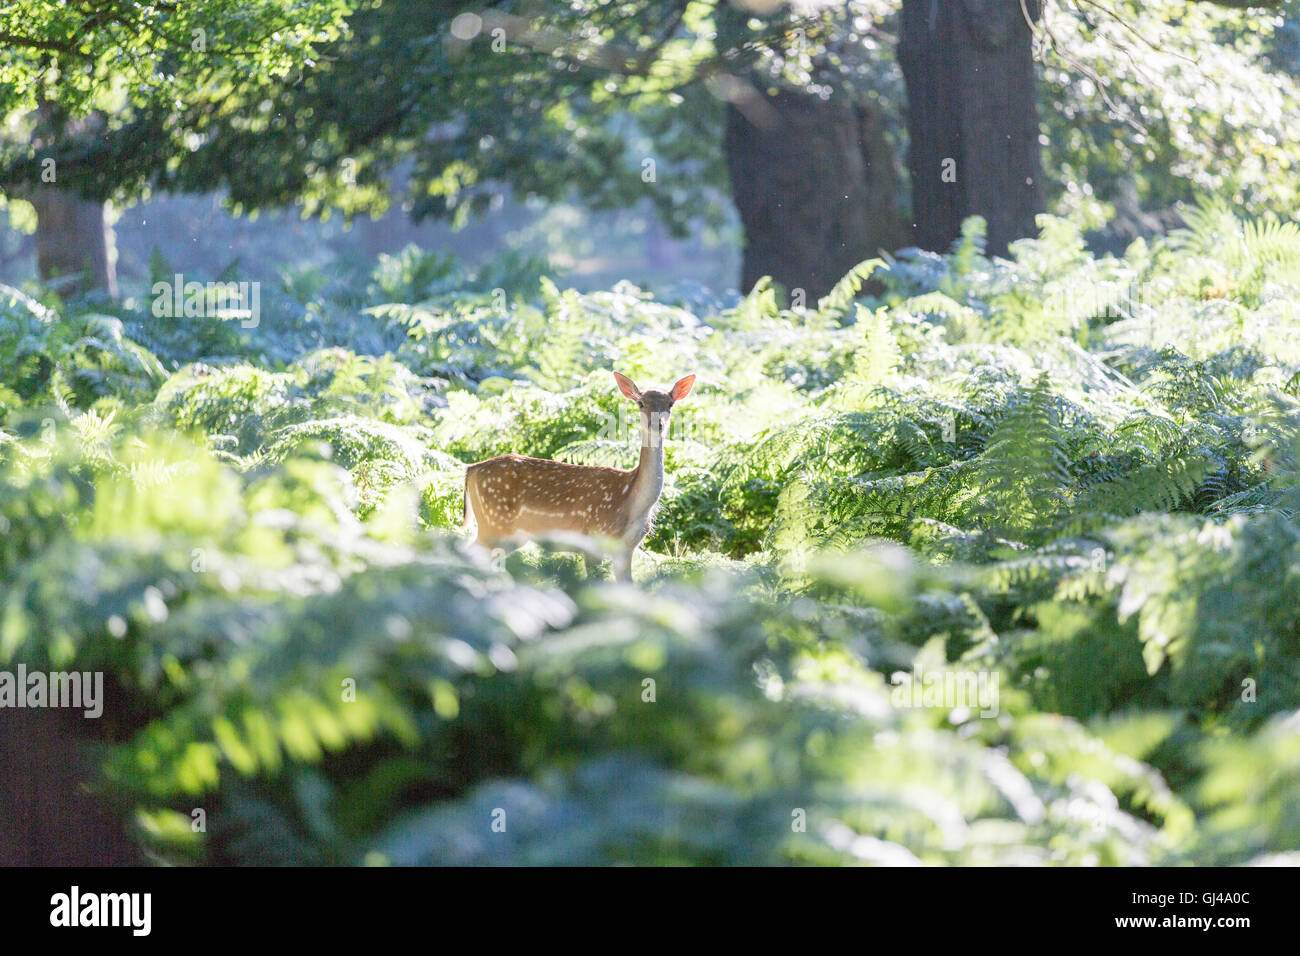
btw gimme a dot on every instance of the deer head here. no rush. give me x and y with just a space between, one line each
656 406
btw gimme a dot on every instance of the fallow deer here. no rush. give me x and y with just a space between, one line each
513 497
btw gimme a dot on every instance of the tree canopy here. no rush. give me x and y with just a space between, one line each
616 103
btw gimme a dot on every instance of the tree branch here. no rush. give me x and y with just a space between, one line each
33 43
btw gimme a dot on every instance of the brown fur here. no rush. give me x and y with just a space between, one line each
514 493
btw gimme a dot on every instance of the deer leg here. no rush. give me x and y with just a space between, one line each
487 536
621 565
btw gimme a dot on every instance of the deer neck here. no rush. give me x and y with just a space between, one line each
648 477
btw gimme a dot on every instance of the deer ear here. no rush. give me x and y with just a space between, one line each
627 387
682 388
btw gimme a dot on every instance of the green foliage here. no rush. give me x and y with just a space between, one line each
76 358
1159 102
60 57
1143 105
1076 478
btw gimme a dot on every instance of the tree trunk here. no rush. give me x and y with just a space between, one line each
73 239
973 119
46 816
815 185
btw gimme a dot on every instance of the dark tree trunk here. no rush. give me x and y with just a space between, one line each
74 242
46 816
973 119
73 239
815 185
